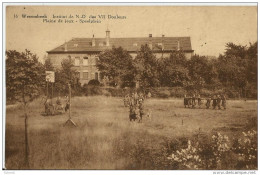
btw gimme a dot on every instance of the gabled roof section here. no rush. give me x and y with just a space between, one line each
130 44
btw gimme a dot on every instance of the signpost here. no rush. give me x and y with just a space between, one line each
70 121
50 77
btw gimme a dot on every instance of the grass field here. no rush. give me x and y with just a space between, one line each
106 139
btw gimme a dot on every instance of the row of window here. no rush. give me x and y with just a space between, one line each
102 44
159 44
86 76
84 61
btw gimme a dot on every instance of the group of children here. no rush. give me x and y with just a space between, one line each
136 108
217 101
54 108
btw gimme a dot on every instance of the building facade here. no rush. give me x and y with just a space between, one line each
84 51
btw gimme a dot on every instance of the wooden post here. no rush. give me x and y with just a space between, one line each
69 121
47 89
27 166
51 90
69 101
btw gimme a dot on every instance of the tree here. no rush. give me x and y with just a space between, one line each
24 79
67 75
252 64
48 65
237 68
173 71
200 72
117 66
146 68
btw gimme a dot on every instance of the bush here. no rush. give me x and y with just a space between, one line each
94 88
177 92
94 83
218 153
246 149
163 93
232 93
90 90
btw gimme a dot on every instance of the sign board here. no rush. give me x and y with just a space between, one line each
50 76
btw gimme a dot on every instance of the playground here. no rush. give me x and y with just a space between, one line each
104 138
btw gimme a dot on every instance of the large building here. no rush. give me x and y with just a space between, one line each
84 51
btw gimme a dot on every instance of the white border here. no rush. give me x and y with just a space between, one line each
105 3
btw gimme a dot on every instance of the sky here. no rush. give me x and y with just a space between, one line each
210 27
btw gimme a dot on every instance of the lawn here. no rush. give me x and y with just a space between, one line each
106 139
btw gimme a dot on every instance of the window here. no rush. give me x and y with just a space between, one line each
159 44
100 44
135 44
85 61
75 45
77 59
96 75
85 75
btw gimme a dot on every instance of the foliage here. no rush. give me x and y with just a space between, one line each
94 83
48 65
189 157
234 71
24 79
92 88
173 71
146 68
117 66
65 75
246 148
238 67
218 153
24 76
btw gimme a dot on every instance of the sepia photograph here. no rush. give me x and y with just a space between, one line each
130 86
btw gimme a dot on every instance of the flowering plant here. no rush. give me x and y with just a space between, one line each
188 157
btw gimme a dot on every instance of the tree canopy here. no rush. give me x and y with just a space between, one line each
117 66
235 69
24 76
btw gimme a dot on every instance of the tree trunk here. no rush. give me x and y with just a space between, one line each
26 161
26 158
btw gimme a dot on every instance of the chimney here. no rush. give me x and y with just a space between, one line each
93 41
178 45
107 37
162 42
66 47
150 41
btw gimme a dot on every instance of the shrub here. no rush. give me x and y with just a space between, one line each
246 148
94 83
218 153
177 92
90 90
189 157
163 93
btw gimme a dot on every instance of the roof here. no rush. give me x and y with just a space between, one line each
130 44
